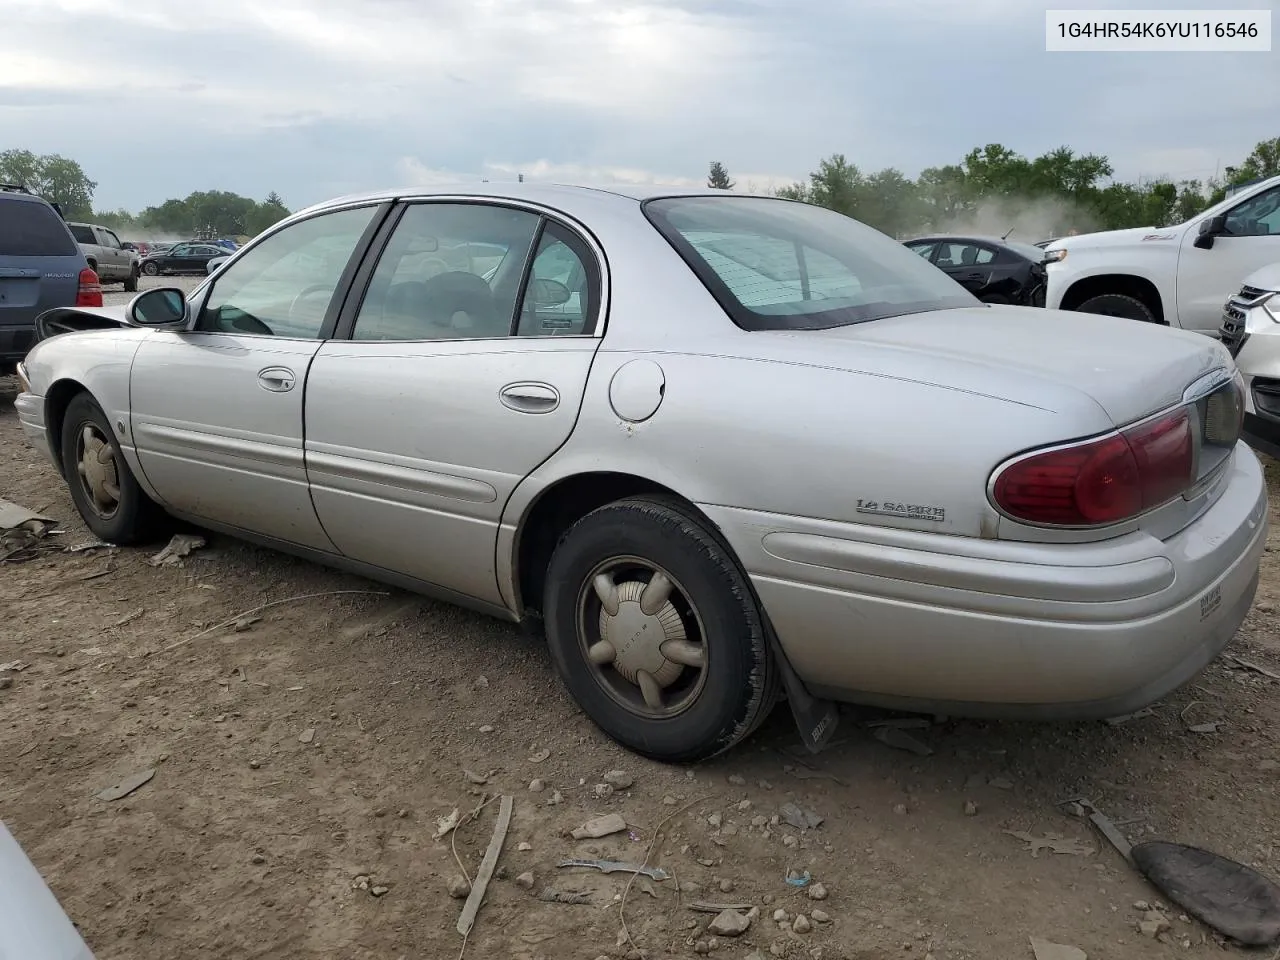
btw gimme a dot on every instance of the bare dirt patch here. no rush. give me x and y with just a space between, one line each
248 841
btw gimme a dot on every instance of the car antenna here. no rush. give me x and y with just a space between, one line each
1006 236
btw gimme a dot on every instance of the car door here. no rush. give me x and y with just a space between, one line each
451 387
216 410
1206 278
113 252
969 264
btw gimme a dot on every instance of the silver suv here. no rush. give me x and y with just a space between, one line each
113 262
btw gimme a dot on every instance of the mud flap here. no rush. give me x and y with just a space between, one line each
815 719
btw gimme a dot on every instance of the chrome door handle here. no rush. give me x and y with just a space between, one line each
276 379
530 397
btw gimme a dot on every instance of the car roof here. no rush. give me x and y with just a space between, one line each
971 237
549 194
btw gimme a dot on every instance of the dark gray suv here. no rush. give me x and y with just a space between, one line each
41 267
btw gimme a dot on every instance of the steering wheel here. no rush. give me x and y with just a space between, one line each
308 292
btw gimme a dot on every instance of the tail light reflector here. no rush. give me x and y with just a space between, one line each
90 292
1103 481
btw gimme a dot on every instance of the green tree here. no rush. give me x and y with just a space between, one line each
53 177
718 177
266 214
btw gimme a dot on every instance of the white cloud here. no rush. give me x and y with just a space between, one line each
412 172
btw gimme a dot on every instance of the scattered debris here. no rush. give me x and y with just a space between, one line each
600 827
1044 950
701 906
1252 667
615 866
477 778
459 887
798 878
487 728
1064 845
129 617
808 773
1000 783
555 798
820 916
896 737
817 892
900 809
801 924
485 873
379 891
551 895
603 791
244 623
540 756
127 785
525 880
729 923
737 780
181 545
14 666
618 779
970 808
1126 717
799 818
536 785
307 735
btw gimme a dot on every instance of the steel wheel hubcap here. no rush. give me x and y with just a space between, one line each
96 465
642 637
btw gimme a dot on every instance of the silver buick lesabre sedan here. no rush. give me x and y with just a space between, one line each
719 447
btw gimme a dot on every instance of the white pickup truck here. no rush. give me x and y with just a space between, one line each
111 259
1179 276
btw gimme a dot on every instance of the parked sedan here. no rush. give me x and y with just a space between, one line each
718 446
182 258
993 269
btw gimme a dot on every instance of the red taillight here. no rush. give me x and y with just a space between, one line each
1101 481
90 293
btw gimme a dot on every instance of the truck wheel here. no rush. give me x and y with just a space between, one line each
655 631
1118 305
131 283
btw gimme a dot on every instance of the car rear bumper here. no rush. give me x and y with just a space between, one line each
15 342
994 628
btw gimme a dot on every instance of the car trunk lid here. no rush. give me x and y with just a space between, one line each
1128 369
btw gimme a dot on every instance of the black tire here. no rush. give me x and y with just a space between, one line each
150 269
131 284
738 682
135 518
1118 305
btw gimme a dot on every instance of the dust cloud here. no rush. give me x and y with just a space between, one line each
1030 220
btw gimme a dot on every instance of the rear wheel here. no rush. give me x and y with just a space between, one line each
655 631
103 487
1118 305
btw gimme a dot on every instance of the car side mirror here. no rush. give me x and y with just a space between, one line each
1213 227
548 293
162 307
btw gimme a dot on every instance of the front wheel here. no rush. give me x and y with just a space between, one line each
1118 305
103 487
655 631
131 282
150 269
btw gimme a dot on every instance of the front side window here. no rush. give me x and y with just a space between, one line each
782 265
451 271
284 285
1257 217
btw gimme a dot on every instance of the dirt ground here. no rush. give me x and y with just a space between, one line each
322 742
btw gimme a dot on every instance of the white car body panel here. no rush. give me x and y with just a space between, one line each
1191 283
32 924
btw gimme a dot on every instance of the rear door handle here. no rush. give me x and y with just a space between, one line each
530 397
276 379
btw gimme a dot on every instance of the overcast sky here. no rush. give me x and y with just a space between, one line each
314 98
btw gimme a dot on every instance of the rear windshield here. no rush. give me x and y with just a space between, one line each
783 265
30 229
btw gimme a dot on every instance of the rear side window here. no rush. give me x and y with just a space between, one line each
29 229
781 265
83 234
